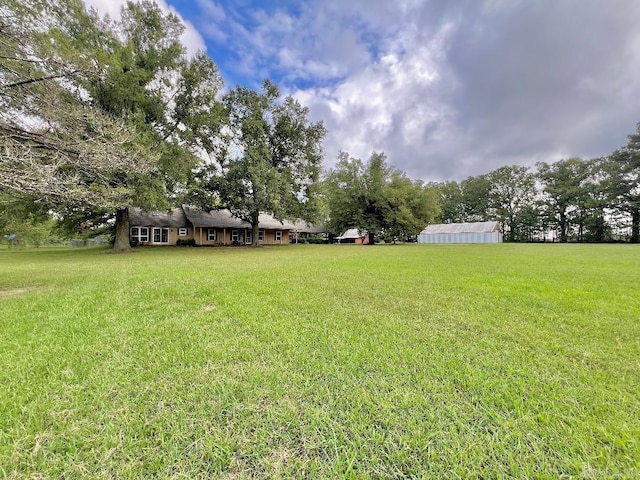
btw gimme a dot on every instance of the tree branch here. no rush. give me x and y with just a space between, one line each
35 80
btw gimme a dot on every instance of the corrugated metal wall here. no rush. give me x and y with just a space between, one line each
475 237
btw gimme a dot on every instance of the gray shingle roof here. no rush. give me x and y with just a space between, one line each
181 217
270 222
223 219
214 218
174 218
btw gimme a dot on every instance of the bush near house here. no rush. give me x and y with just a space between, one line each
187 242
316 240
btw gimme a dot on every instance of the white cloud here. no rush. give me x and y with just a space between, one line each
508 83
446 89
375 72
388 106
212 10
391 105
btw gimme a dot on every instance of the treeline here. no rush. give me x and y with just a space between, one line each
576 200
595 200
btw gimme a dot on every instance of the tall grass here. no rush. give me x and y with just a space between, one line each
461 361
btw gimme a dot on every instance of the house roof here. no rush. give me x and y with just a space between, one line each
183 216
224 219
213 218
270 222
474 227
351 233
174 218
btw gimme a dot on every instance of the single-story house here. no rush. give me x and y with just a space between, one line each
158 228
302 229
217 227
353 236
475 232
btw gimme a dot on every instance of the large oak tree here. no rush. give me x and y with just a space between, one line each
267 161
377 198
56 149
101 114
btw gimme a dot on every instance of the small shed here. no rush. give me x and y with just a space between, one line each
353 236
476 232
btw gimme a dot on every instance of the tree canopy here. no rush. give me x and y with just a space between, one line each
567 200
57 149
268 159
626 187
377 198
101 114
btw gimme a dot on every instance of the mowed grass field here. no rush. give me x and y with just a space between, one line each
314 361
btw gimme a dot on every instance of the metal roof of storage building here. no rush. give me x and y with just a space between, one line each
474 227
351 233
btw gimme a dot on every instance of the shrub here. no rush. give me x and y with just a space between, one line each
186 242
316 240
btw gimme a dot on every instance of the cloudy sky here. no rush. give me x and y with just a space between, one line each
446 88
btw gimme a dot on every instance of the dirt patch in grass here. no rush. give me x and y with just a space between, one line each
12 292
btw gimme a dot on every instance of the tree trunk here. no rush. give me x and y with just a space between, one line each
563 228
635 225
600 228
581 231
255 229
121 243
371 238
512 230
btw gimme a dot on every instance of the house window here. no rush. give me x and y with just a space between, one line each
248 236
139 234
278 236
261 235
183 232
160 235
211 235
235 236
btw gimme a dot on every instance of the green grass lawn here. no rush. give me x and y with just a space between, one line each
434 361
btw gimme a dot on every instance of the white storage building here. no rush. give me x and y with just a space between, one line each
477 232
